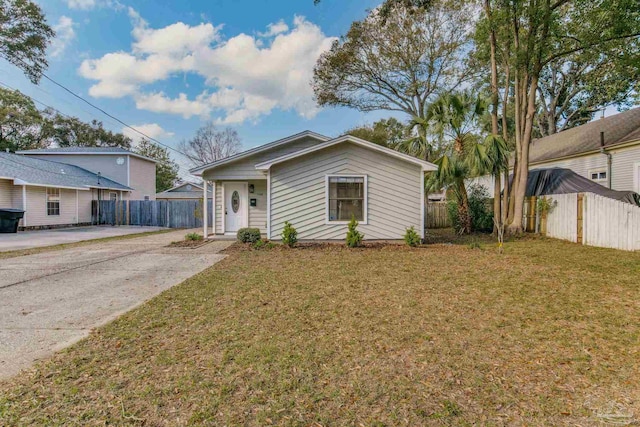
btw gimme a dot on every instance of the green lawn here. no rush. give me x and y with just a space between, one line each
545 334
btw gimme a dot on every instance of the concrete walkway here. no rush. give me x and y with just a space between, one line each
40 238
52 299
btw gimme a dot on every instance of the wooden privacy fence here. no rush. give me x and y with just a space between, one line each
151 213
587 218
437 216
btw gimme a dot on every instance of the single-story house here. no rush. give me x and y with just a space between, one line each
116 163
606 151
184 191
317 184
52 193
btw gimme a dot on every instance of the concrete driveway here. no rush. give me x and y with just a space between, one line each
39 238
52 299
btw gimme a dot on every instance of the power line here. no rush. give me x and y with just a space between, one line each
106 113
70 117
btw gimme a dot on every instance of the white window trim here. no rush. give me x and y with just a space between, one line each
46 200
598 171
636 177
365 213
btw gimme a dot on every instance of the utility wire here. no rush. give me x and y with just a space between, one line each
70 117
106 113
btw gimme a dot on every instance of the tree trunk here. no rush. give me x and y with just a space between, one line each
523 141
494 115
464 213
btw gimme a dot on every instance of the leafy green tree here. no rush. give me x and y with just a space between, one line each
24 36
398 62
166 169
73 132
22 125
571 90
526 36
386 132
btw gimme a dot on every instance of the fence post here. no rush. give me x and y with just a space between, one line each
580 216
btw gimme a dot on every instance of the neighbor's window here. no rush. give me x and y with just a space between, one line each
598 175
53 201
346 197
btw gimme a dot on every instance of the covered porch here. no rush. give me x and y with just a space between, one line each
236 203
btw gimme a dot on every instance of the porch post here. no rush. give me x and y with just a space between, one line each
205 214
213 206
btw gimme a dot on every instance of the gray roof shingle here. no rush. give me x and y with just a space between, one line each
45 172
618 129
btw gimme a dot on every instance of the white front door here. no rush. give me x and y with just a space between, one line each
235 206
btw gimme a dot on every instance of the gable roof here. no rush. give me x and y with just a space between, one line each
618 129
24 170
184 194
86 150
426 166
307 133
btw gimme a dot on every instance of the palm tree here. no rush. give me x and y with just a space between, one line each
455 121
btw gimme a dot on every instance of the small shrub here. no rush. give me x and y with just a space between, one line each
545 205
354 237
289 235
193 237
262 244
248 235
411 238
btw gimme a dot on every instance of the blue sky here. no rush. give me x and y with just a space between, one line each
167 67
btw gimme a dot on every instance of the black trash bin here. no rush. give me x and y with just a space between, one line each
9 219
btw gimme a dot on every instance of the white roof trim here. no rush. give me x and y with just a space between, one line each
426 166
85 153
198 171
18 181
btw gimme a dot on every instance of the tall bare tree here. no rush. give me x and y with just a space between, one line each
210 144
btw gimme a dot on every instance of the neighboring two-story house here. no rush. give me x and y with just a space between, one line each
606 151
56 187
118 164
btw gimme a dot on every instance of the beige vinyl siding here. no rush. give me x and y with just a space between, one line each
245 169
106 164
6 194
36 211
142 178
622 166
84 205
298 193
10 195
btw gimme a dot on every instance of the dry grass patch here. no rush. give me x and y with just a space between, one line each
546 334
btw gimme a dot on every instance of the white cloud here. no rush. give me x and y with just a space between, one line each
246 77
275 29
91 4
64 35
153 130
81 4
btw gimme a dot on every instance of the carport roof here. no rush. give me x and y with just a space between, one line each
31 171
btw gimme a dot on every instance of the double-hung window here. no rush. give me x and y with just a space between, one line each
346 197
53 201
